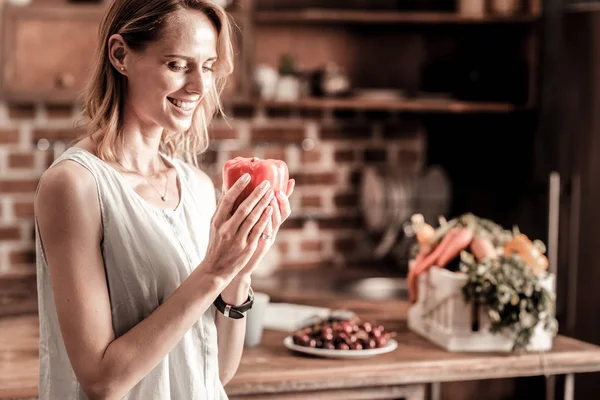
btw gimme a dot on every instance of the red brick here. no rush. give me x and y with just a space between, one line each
311 245
346 200
340 223
21 111
10 233
21 160
59 111
280 112
56 134
18 186
9 136
247 153
281 135
223 133
23 209
344 156
407 156
355 177
276 153
310 201
346 132
345 245
209 157
49 158
284 247
321 178
313 156
242 111
375 155
292 223
22 257
307 265
310 113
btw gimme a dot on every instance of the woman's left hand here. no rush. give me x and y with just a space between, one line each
281 212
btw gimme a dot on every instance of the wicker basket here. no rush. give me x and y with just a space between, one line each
442 316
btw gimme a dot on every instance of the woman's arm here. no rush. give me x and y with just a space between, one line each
68 215
231 332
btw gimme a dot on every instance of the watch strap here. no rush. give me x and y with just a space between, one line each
235 312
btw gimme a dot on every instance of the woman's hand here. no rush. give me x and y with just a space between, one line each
281 212
235 238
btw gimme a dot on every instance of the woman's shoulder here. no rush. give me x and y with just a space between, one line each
67 177
66 190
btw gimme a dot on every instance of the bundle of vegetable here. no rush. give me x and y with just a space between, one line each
512 293
483 238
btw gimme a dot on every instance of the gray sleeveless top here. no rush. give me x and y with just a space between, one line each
148 252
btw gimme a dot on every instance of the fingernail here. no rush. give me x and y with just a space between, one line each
281 194
269 210
264 185
246 178
270 195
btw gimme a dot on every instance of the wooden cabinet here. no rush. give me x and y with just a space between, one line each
47 52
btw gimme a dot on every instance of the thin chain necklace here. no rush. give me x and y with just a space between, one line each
164 196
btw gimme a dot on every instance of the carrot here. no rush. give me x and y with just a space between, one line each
423 230
482 248
460 242
424 250
427 262
531 254
424 234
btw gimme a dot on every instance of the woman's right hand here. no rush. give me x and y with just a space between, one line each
234 238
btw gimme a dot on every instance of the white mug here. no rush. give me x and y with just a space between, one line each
255 318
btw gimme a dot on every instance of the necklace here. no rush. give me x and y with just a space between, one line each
164 196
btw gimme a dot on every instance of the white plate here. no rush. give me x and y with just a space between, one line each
390 346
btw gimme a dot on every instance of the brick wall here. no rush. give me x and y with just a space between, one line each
325 152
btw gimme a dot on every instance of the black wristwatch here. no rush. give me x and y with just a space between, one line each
235 312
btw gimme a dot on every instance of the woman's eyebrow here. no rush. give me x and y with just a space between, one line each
188 58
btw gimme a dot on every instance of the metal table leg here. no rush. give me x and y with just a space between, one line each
436 391
570 387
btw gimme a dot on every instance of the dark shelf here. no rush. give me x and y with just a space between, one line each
383 17
417 105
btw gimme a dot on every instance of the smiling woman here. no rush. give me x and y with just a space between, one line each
136 260
186 56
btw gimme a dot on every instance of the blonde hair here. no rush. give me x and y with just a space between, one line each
141 22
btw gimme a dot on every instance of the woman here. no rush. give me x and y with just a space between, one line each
133 253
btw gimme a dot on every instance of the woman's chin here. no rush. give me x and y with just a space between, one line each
179 125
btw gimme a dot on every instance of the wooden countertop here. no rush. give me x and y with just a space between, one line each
271 368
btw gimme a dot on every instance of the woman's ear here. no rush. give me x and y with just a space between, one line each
118 53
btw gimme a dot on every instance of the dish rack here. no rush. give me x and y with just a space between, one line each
442 316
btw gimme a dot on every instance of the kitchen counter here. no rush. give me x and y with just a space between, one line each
270 371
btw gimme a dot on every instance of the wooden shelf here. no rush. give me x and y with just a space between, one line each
401 105
382 17
582 7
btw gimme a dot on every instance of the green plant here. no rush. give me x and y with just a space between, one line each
287 65
511 293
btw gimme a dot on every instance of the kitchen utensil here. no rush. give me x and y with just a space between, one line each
347 354
373 200
433 194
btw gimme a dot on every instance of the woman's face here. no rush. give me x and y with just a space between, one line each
169 79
